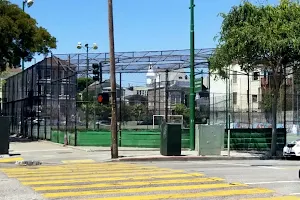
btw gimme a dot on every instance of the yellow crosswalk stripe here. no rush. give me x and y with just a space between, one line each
79 161
276 198
137 190
87 179
126 184
215 193
92 167
72 172
145 177
10 160
96 175
78 165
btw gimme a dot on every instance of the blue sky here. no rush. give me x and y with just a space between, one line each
139 24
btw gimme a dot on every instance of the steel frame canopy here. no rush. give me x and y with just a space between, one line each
138 62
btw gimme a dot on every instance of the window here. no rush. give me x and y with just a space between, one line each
47 73
255 76
173 99
254 98
234 77
234 97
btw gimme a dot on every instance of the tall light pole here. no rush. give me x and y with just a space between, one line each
29 3
87 47
192 81
113 126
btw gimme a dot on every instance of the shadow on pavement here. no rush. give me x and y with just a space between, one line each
19 139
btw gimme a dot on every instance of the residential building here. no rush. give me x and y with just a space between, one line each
245 93
4 75
177 82
136 95
45 90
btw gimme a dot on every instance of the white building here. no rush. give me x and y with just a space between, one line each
157 77
237 87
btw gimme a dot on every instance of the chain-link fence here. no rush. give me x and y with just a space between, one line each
244 100
27 100
59 93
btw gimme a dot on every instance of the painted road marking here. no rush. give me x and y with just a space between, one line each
272 182
120 180
215 193
84 180
270 167
10 160
276 198
79 161
99 175
75 167
137 190
123 184
70 172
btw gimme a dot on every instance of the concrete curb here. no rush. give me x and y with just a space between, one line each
4 156
189 158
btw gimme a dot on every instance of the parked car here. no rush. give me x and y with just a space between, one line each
292 149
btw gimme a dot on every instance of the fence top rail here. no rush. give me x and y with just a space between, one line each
130 62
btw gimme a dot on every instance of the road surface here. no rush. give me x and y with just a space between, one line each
91 180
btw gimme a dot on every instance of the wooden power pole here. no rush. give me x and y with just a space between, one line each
114 131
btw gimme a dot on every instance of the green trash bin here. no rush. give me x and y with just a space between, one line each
170 139
4 134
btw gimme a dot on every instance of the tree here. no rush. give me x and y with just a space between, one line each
139 111
20 36
260 36
181 109
82 82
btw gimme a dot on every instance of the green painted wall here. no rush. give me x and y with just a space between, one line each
58 137
254 139
241 139
127 138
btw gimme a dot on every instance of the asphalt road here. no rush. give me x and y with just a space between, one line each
280 176
153 180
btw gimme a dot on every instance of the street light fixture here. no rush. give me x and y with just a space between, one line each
94 47
29 3
79 46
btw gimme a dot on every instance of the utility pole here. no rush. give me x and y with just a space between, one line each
192 81
113 126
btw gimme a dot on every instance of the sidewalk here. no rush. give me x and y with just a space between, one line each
49 152
130 154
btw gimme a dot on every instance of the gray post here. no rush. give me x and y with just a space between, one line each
120 117
154 98
167 96
228 137
297 111
159 94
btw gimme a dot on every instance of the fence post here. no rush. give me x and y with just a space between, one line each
120 117
228 137
167 96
